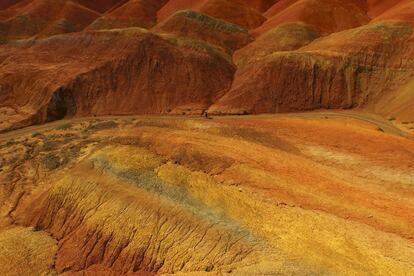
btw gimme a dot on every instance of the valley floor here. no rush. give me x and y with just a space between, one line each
319 193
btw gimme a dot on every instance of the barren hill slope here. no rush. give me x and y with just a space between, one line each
278 56
127 71
107 167
256 195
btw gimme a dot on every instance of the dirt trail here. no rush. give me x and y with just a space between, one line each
383 124
376 120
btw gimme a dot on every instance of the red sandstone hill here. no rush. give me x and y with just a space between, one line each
142 13
231 56
326 16
7 3
111 72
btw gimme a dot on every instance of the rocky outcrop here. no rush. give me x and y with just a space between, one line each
332 72
142 73
231 56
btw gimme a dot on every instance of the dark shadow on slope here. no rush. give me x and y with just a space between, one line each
61 105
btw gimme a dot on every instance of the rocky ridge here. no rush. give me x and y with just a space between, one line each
160 57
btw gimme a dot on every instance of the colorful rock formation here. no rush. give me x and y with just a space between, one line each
299 194
230 56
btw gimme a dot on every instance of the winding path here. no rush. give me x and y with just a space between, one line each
383 124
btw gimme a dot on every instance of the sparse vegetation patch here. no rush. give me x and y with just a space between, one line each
211 22
36 134
64 126
66 26
51 161
102 126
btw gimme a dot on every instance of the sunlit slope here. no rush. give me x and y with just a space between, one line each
225 56
263 195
